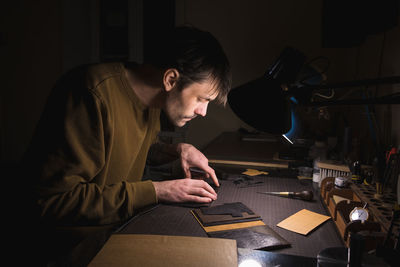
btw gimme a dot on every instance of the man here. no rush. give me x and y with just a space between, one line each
87 157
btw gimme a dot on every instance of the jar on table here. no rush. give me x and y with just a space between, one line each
318 153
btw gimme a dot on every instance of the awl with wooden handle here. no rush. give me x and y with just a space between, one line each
304 195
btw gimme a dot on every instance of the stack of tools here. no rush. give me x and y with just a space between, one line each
392 170
387 172
333 169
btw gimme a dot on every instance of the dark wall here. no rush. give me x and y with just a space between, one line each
254 33
39 40
31 60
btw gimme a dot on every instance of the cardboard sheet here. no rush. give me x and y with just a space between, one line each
163 250
303 222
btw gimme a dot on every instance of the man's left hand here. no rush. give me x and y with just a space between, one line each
192 157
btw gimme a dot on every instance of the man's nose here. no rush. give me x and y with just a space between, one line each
202 109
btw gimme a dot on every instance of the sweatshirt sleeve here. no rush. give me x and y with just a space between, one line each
69 163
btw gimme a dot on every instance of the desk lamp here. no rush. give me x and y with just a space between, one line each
263 103
266 103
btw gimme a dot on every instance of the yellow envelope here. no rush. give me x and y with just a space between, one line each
303 222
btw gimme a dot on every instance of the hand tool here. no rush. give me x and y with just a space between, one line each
304 195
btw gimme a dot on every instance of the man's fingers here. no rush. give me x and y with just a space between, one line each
188 174
208 172
204 192
183 190
192 198
212 174
202 188
186 171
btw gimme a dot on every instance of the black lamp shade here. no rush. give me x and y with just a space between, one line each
262 104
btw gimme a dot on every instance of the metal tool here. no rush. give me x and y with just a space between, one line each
304 195
359 213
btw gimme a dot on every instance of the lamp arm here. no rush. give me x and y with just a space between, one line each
376 100
388 99
367 82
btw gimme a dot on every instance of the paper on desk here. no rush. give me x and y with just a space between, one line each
252 172
303 221
161 250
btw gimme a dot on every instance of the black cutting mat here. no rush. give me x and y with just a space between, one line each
176 220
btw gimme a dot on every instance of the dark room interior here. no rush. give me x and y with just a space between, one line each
315 101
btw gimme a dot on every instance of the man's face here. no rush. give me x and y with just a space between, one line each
183 105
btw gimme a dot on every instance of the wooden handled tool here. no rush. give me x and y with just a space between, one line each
304 195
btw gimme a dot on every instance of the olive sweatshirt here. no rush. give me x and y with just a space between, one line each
88 154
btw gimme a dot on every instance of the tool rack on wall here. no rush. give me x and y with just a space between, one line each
341 201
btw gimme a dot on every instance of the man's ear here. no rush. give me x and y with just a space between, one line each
170 78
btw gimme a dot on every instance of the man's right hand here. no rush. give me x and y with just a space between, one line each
184 190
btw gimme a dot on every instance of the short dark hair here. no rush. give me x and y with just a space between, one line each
196 54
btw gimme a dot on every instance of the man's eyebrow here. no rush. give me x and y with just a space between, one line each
208 98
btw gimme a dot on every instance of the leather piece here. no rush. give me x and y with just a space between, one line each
256 237
223 214
235 209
